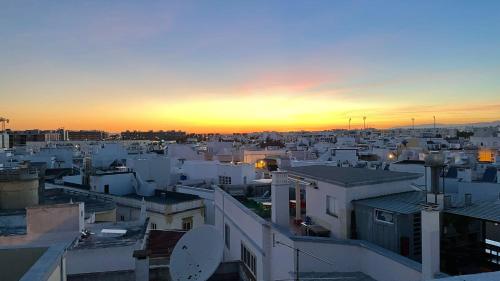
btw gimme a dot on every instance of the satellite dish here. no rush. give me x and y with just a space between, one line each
197 254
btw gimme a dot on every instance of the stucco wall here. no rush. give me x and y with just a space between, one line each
339 225
55 218
18 194
100 259
245 227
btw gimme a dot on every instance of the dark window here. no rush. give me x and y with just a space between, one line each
248 259
187 223
224 180
227 237
106 188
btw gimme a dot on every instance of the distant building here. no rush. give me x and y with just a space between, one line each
154 135
87 135
21 138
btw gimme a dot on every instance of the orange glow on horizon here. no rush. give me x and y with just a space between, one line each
250 113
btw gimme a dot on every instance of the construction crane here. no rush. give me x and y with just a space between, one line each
4 121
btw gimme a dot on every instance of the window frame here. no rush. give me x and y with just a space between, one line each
187 221
375 211
328 209
249 259
225 180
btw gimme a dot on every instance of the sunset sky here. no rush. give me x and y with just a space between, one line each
235 66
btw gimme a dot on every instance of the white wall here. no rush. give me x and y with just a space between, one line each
4 140
211 170
344 155
105 153
208 200
339 225
277 262
245 227
200 170
240 173
342 256
101 259
152 168
119 183
410 168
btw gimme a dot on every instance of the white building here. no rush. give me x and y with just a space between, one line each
331 190
252 156
267 249
152 171
113 182
217 173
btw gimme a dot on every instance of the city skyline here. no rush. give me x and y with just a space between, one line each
241 67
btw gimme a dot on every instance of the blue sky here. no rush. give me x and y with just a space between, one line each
163 62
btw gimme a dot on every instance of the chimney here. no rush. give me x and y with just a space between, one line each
81 217
468 199
143 214
280 198
431 250
141 265
434 164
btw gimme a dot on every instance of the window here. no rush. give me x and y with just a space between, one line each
383 216
331 203
227 236
224 180
106 188
187 223
153 225
248 258
122 218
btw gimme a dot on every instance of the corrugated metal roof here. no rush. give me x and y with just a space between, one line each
486 210
402 203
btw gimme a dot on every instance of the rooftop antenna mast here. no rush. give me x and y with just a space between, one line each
350 123
413 125
364 122
4 121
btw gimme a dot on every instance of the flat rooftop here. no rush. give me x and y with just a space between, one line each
135 231
350 177
165 197
12 222
24 258
92 203
410 162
